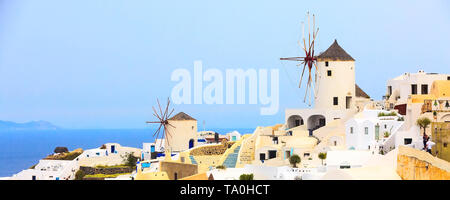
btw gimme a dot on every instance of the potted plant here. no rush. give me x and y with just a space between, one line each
322 156
294 160
435 115
386 134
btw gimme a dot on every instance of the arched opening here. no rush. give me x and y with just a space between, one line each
175 176
294 121
316 121
445 118
191 143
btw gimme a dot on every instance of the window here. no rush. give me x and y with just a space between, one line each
345 167
275 140
424 89
408 141
272 154
448 78
335 143
351 130
366 130
262 156
289 133
326 63
389 90
385 126
335 101
305 154
413 89
445 144
329 72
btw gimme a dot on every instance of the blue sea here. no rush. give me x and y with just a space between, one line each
20 150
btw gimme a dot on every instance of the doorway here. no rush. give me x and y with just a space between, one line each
348 101
262 156
191 143
272 154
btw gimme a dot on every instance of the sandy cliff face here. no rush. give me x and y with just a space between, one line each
413 164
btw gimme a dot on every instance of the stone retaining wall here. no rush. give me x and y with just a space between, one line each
211 150
180 169
93 170
413 164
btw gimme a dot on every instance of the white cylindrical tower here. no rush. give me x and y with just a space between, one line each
335 83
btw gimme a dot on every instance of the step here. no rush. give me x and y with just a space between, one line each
193 161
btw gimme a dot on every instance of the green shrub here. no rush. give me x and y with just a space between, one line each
111 166
129 159
382 114
322 156
221 167
246 177
104 175
294 160
79 175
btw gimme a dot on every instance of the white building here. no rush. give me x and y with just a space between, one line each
90 153
336 94
345 159
49 170
401 87
149 148
367 131
262 172
233 136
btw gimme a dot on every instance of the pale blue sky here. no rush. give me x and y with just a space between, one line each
101 64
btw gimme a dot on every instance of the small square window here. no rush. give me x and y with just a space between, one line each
329 72
445 144
424 89
366 130
326 64
335 101
351 130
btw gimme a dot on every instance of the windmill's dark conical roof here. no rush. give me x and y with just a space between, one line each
335 53
360 93
181 116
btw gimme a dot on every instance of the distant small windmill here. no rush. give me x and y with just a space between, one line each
309 60
163 121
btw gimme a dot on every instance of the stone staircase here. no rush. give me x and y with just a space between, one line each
230 161
247 152
192 160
